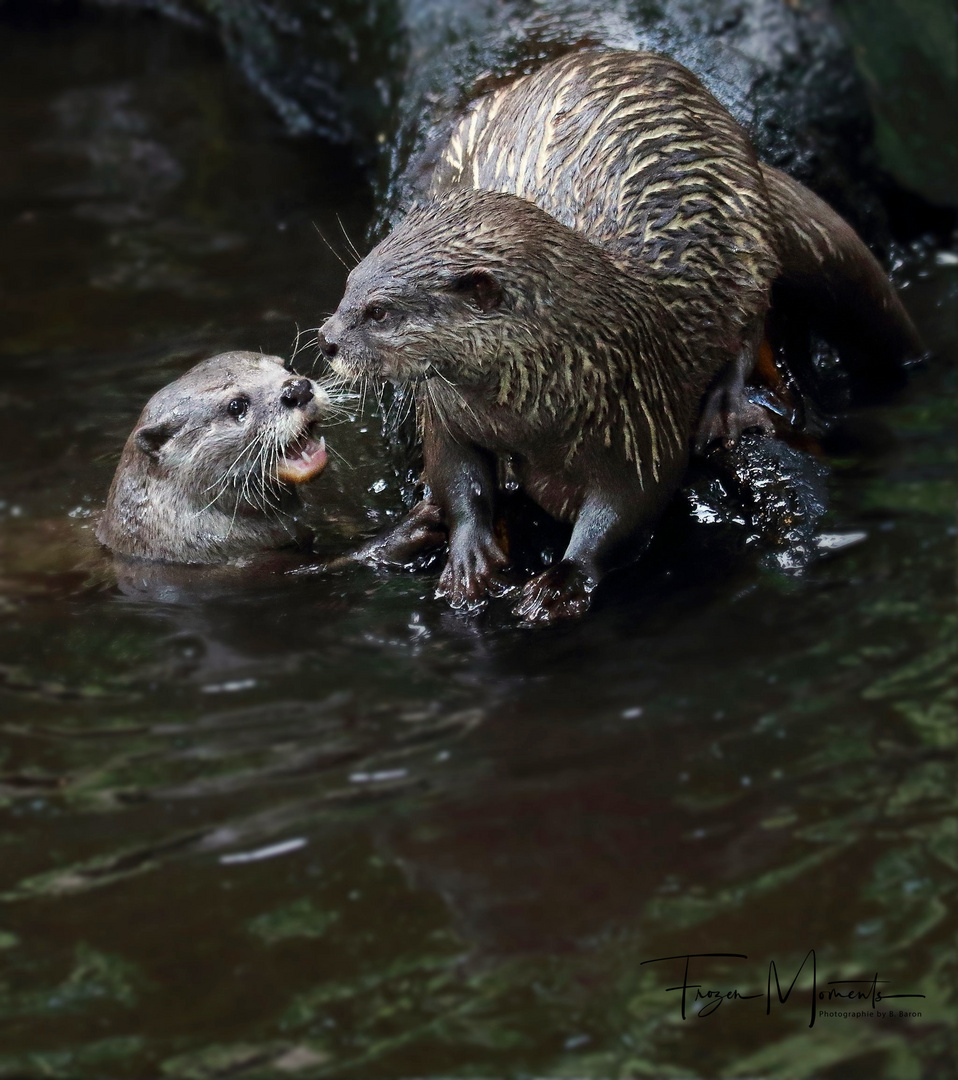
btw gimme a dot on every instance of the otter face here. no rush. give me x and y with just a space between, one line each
404 328
452 289
465 288
236 429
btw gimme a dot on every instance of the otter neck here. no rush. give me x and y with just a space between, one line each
148 515
580 378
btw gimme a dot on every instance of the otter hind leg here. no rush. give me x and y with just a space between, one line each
729 411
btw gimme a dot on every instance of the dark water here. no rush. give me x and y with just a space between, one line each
322 827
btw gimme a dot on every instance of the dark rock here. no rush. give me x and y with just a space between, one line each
806 77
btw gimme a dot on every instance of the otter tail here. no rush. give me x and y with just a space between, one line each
840 285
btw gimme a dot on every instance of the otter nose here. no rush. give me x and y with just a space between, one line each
328 348
296 392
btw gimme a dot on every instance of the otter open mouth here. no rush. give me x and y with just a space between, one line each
302 460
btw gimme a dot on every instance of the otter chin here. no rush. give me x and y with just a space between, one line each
212 470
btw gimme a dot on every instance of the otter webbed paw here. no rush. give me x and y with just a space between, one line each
728 413
423 529
564 591
473 570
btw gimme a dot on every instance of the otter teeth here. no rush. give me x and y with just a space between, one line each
302 460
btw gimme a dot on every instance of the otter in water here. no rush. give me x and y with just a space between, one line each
211 473
583 291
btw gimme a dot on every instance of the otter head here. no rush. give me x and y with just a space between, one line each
462 287
210 470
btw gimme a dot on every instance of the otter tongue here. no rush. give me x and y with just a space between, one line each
302 461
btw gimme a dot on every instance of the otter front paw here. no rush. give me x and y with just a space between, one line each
473 572
422 529
728 413
564 591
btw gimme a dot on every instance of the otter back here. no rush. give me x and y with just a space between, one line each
632 152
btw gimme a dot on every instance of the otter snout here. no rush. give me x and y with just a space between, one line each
346 344
296 393
327 347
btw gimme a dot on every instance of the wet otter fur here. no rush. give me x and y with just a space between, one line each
210 472
584 290
594 413
630 150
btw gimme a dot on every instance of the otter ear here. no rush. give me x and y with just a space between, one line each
482 288
151 438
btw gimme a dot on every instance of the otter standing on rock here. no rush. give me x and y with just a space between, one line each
590 336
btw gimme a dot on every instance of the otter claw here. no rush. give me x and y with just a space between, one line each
563 591
472 593
472 573
727 416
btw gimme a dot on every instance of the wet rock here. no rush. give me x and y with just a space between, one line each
805 76
773 495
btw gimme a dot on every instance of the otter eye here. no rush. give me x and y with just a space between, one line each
375 313
238 407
